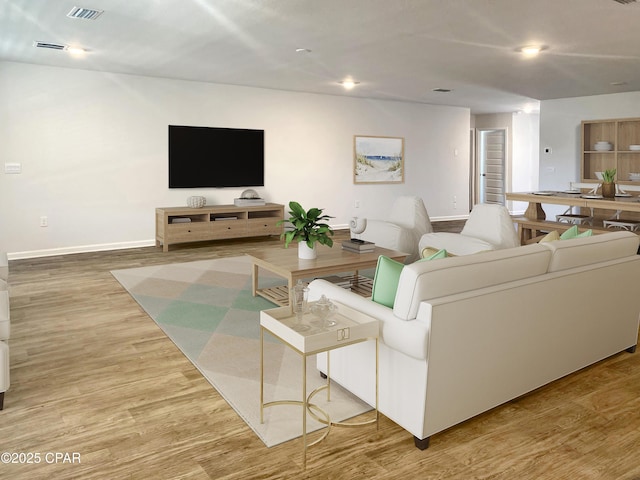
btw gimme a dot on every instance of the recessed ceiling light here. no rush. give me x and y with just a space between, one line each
441 90
75 50
303 50
349 84
531 50
618 84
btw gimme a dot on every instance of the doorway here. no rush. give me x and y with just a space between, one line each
489 183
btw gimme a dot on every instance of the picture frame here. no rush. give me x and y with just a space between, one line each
378 160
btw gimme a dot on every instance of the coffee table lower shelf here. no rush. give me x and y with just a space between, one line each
280 293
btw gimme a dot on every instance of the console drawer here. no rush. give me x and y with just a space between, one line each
228 229
263 226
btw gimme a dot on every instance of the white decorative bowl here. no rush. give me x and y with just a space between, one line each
634 148
603 148
196 202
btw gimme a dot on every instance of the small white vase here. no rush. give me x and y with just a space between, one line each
305 252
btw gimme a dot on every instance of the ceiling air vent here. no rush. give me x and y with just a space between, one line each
84 13
52 46
625 2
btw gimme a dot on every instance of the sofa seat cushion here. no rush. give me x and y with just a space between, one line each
426 280
579 252
454 243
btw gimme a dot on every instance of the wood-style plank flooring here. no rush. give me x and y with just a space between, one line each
92 374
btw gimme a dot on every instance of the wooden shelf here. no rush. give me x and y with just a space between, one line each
620 132
183 224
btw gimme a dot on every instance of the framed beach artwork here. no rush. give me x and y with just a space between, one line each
378 159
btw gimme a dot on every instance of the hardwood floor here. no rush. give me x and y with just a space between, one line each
93 375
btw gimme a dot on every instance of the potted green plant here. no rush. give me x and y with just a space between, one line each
308 228
608 184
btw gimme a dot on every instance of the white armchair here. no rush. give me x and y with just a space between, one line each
407 223
489 227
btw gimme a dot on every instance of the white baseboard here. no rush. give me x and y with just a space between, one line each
52 252
449 218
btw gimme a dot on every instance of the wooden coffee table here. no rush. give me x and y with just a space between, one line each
285 263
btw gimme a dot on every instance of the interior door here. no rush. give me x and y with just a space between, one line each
490 166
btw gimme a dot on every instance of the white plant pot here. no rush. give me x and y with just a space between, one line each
305 252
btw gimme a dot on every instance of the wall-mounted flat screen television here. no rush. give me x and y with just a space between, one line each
215 157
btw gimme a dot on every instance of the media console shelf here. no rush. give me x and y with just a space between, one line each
184 224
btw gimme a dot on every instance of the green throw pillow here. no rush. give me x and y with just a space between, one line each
442 253
387 277
385 281
573 233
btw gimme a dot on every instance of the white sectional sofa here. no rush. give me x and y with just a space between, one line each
469 333
4 327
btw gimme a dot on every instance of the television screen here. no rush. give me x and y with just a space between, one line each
215 157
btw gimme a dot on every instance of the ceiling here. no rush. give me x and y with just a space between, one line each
396 49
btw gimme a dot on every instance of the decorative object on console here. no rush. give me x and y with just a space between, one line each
196 201
608 184
307 229
248 197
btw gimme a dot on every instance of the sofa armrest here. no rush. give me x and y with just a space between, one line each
4 316
409 337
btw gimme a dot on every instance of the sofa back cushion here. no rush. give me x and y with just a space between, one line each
426 280
578 252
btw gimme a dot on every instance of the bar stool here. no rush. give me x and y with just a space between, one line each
624 224
575 218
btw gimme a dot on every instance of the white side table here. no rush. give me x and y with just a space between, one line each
351 327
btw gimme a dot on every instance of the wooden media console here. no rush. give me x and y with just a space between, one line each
183 224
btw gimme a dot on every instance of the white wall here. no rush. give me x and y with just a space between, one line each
560 130
93 150
525 160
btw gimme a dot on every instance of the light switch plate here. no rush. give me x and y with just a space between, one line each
12 168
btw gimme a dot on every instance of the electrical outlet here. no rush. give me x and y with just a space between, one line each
44 221
356 204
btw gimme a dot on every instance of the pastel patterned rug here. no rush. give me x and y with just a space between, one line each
206 308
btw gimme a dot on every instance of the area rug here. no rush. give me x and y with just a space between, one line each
206 308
